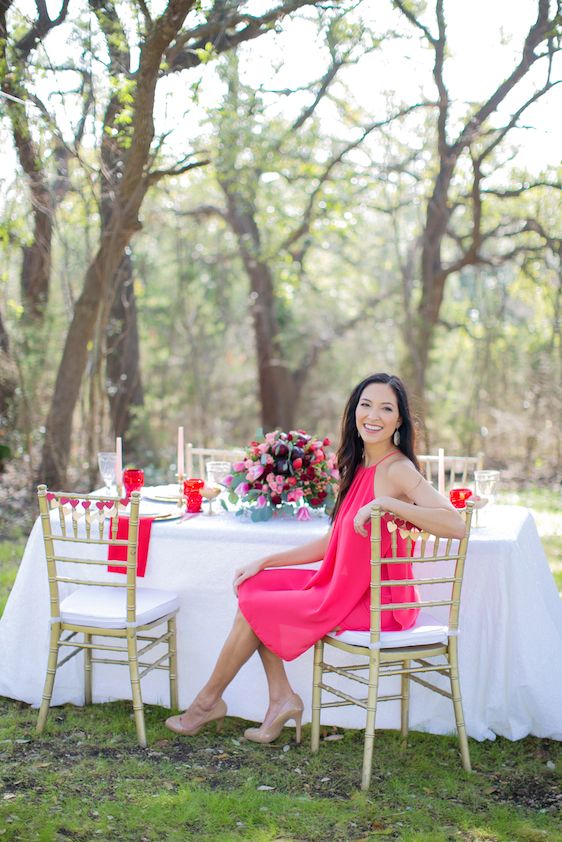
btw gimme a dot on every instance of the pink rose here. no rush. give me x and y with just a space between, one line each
228 480
238 466
303 514
294 495
254 472
261 501
242 488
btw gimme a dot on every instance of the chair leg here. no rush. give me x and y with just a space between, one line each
50 677
87 671
173 663
457 704
316 695
374 668
404 704
135 686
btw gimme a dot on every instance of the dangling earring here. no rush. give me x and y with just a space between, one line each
396 437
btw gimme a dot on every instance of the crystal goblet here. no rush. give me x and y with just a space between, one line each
106 462
485 484
217 472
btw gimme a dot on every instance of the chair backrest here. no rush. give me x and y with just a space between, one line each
70 521
446 472
406 545
197 458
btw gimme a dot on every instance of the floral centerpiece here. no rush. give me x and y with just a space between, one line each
285 472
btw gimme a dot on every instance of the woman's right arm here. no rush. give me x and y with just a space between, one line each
305 554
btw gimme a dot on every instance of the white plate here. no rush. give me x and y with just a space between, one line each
161 493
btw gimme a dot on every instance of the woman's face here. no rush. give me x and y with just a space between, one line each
377 415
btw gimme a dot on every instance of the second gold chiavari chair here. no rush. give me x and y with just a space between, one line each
449 471
94 615
197 458
430 646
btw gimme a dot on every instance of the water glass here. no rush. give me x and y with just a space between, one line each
485 485
106 462
217 472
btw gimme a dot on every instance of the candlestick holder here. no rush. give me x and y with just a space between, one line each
181 497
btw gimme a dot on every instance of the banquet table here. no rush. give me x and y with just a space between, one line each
510 644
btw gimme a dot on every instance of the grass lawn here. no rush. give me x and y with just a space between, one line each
86 779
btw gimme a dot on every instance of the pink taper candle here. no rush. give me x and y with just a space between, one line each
180 452
118 463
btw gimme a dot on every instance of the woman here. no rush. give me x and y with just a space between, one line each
284 612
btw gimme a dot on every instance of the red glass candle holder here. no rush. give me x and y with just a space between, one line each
459 496
191 491
133 480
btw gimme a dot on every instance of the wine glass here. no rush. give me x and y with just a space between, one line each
485 483
217 472
106 463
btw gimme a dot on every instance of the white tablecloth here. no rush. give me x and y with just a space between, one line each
510 641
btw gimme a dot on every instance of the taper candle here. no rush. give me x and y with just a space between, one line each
441 470
180 452
118 462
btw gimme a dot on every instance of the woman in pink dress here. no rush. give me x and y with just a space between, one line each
282 612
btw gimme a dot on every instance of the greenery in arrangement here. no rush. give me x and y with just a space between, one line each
284 473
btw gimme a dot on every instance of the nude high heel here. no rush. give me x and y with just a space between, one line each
292 709
216 714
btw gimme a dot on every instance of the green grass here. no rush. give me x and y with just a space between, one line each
10 556
86 779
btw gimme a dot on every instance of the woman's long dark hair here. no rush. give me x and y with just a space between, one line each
350 452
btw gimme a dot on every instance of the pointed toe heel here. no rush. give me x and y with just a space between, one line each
293 709
216 714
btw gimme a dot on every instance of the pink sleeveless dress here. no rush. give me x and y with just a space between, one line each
290 609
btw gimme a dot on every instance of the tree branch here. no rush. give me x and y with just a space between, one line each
225 29
540 30
415 22
304 226
40 28
156 175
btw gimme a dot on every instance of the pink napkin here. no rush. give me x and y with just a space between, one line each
120 553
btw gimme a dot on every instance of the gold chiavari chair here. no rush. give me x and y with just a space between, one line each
430 646
445 472
86 611
197 458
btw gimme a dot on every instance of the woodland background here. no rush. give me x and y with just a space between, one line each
224 214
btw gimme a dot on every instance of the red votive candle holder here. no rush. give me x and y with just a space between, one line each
191 491
133 480
459 496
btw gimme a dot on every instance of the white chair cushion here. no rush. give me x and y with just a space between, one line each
107 607
427 630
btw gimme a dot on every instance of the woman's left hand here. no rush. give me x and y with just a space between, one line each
364 515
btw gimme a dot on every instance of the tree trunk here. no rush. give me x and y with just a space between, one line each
8 375
276 385
58 427
115 236
125 389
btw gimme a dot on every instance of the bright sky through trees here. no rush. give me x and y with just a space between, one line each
484 40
